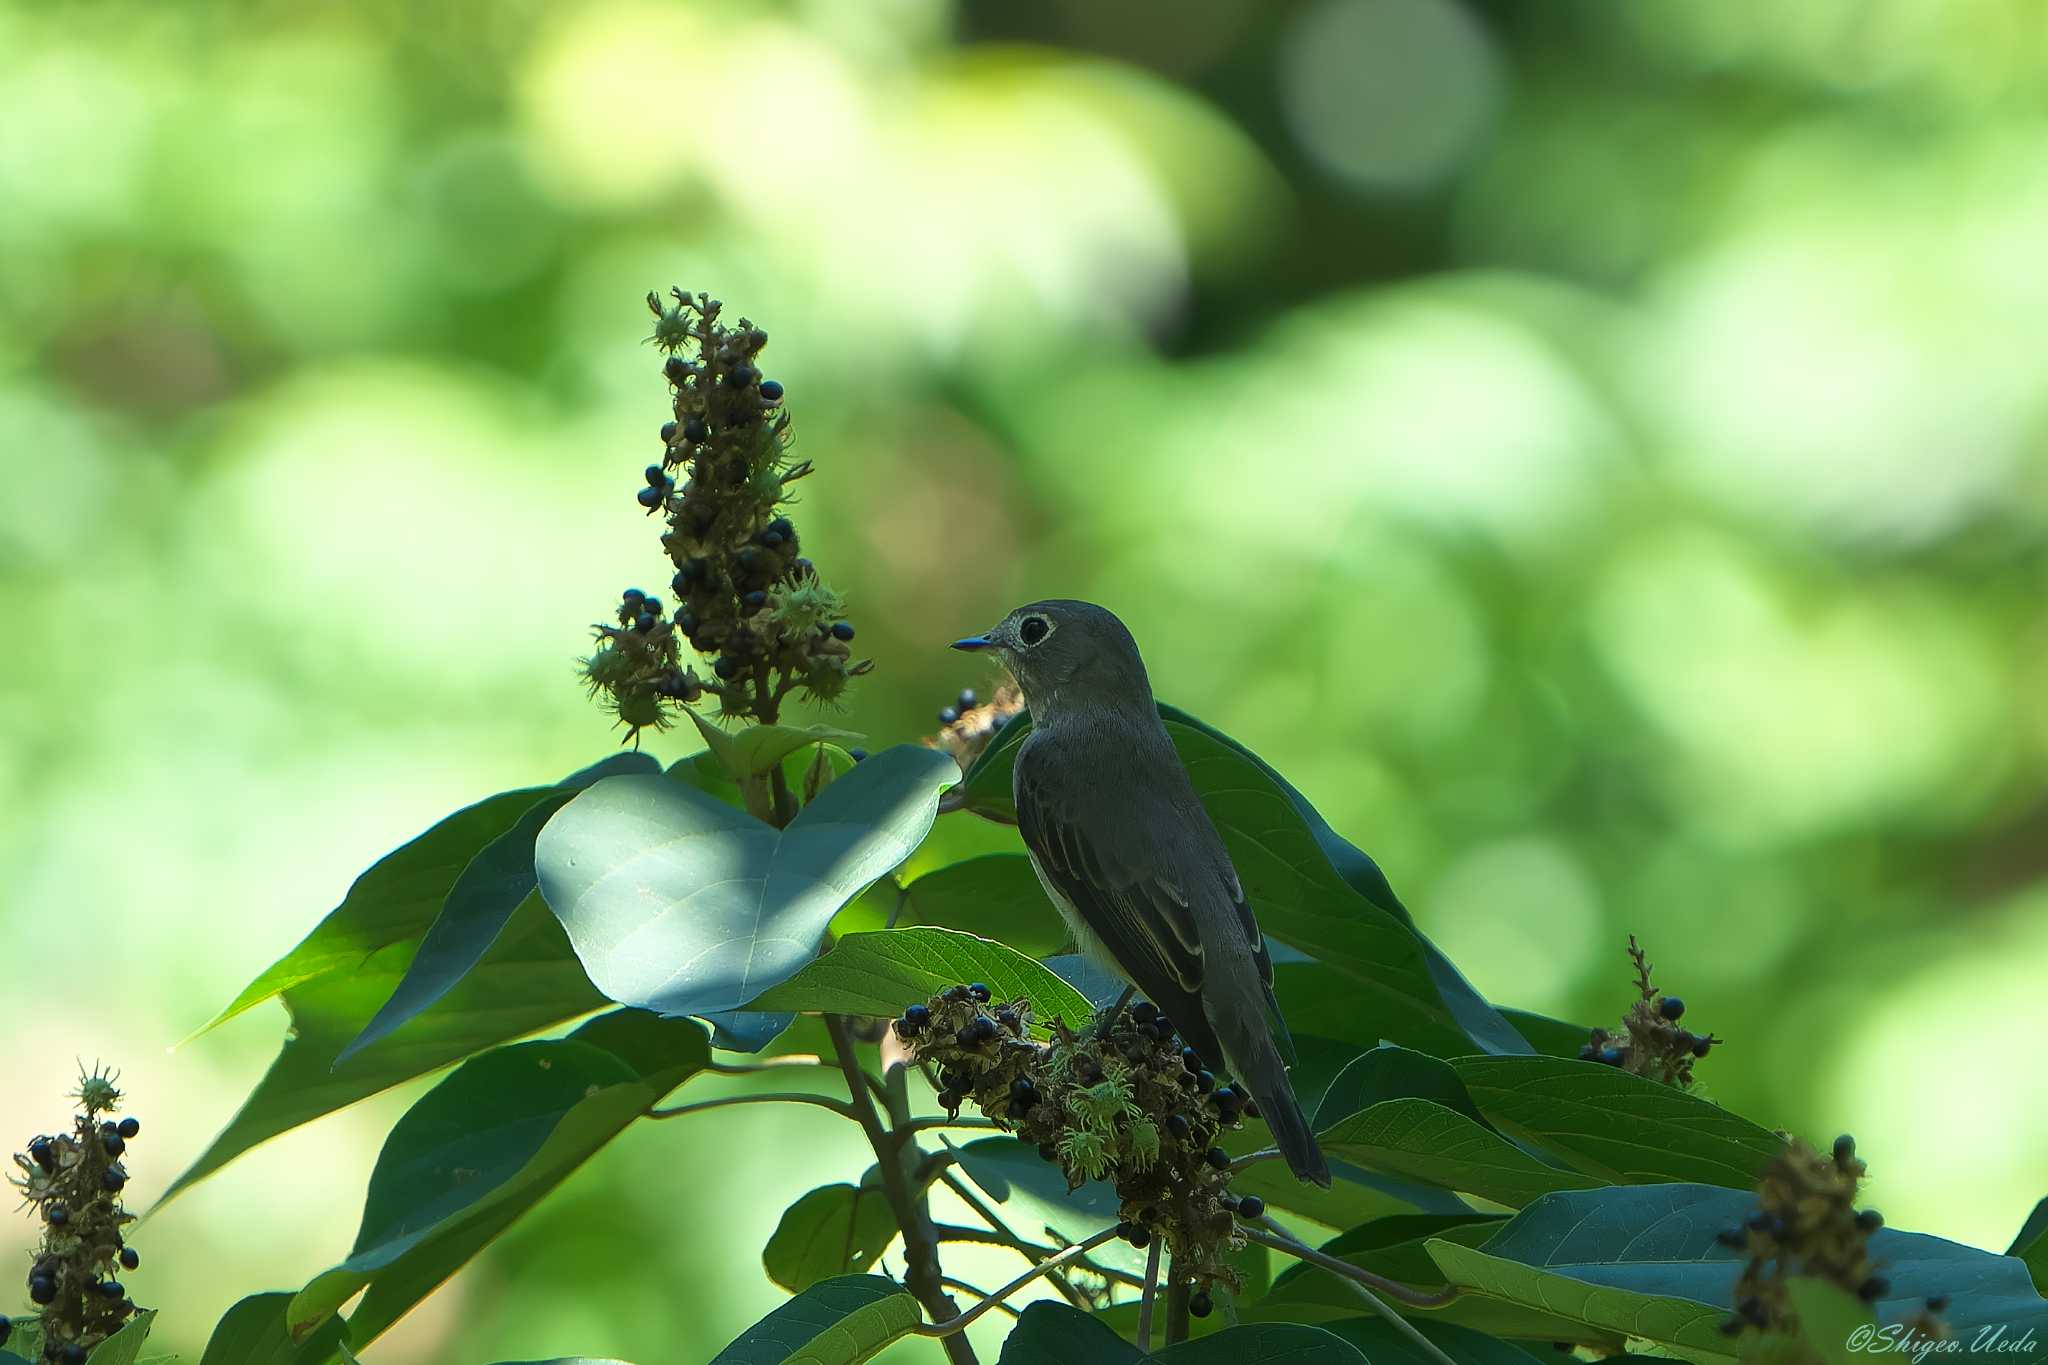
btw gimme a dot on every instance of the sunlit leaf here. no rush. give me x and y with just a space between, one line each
678 903
1267 1343
858 1308
1624 1129
254 1332
527 981
834 1230
879 973
484 1146
1425 1141
125 1346
754 749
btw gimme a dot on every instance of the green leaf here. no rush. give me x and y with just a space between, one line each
1049 1333
834 1230
879 973
1641 1261
757 748
484 1146
677 903
1425 1141
1624 1129
1267 1343
527 981
253 1332
2031 1245
807 1320
570 1360
124 1346
1551 1037
1392 1247
1386 1073
995 896
1828 1321
1383 1344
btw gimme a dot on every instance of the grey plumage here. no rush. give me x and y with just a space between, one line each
1131 859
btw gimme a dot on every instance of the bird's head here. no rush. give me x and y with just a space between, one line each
1064 653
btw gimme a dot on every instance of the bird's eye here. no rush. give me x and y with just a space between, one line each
1034 629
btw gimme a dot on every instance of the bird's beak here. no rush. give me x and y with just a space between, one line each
974 642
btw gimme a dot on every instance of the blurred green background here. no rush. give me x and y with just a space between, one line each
1599 452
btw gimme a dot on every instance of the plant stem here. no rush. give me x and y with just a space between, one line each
1177 1294
1355 1279
839 1107
919 1125
766 1064
894 1159
785 800
951 1327
1145 1304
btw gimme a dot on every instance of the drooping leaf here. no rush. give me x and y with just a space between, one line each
834 1230
1624 1129
486 1145
125 1346
1641 1260
995 896
1049 1333
677 903
1425 1141
878 973
527 981
1551 1037
1267 1343
253 1332
757 748
1308 889
746 1030
801 1324
2031 1245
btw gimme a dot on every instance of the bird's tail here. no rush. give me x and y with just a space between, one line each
1260 1070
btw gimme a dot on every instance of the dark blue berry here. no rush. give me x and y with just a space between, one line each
742 376
680 583
113 1143
43 1152
1144 1011
1733 1238
1609 1057
1162 1028
644 622
629 595
1008 1019
968 1035
58 1215
109 1289
1589 1053
649 497
856 754
956 994
1251 1206
114 1178
130 1258
948 716
1139 1236
675 368
668 432
1200 1304
725 668
756 600
74 1354
1205 1081
1937 1303
771 390
1701 1046
980 992
656 476
1217 1158
1671 1007
1845 1149
6 1328
966 703
1191 1059
842 630
694 430
1873 1289
41 1289
1870 1220
917 1016
1176 1125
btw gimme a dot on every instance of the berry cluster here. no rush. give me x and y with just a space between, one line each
744 594
1650 1042
1123 1101
1807 1223
73 1181
968 723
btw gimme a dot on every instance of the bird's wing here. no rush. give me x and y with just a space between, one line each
1122 890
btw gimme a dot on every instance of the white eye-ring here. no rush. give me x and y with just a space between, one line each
1033 629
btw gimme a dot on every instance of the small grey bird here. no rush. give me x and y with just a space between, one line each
1129 857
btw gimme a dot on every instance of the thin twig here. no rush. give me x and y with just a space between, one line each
1003 1230
940 1121
951 1283
839 1107
921 1273
766 1064
1254 1158
950 1328
1355 1279
957 1232
1145 1304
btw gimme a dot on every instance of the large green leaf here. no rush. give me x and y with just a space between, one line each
527 981
1624 1129
1551 1037
996 896
1383 1344
678 903
834 1230
1423 1140
1386 1073
1266 1343
254 1332
1049 1333
757 748
1641 1260
2031 1245
878 973
487 1144
801 1323
1308 888
481 904
125 1346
